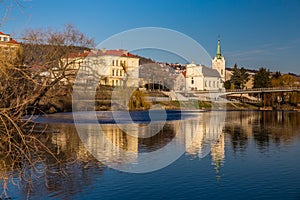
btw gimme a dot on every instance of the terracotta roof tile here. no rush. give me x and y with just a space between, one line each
13 41
1 33
117 52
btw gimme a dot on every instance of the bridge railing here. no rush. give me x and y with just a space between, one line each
265 89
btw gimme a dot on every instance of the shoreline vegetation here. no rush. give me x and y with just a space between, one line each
63 103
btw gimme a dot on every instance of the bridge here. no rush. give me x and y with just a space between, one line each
249 90
264 94
262 90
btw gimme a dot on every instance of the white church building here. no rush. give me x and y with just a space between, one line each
200 77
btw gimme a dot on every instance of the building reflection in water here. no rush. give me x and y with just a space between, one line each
197 136
202 135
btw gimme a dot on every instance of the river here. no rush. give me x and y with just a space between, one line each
226 155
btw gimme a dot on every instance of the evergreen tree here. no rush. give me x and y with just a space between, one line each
239 77
244 77
262 78
235 78
227 84
276 75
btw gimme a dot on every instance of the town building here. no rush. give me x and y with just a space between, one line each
9 47
198 77
110 67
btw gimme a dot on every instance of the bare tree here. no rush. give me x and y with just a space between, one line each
50 50
28 76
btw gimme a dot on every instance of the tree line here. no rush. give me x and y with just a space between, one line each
263 78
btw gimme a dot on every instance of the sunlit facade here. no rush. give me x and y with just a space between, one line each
110 67
9 48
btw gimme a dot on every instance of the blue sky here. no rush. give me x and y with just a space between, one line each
253 33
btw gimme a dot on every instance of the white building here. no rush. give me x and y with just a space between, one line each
201 78
110 67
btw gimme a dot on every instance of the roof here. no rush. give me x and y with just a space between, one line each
1 33
103 52
209 72
13 41
117 52
184 73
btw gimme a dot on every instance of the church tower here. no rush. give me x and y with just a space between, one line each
218 61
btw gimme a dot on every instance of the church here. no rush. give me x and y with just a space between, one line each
202 78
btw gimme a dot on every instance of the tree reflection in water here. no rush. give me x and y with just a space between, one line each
265 127
52 174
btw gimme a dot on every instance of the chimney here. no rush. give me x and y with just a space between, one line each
125 52
103 50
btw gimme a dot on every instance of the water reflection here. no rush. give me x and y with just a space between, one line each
200 134
201 137
63 176
264 128
118 147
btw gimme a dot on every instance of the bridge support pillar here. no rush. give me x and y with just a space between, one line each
297 98
265 99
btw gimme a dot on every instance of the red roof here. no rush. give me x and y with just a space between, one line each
13 41
184 73
116 52
1 33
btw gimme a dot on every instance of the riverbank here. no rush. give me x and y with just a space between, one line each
201 105
63 103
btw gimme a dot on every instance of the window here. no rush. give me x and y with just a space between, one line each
192 80
117 81
113 63
205 83
121 73
124 63
113 72
209 83
116 62
222 72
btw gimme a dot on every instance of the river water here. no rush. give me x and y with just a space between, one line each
227 155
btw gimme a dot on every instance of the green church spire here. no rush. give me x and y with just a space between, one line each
218 54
